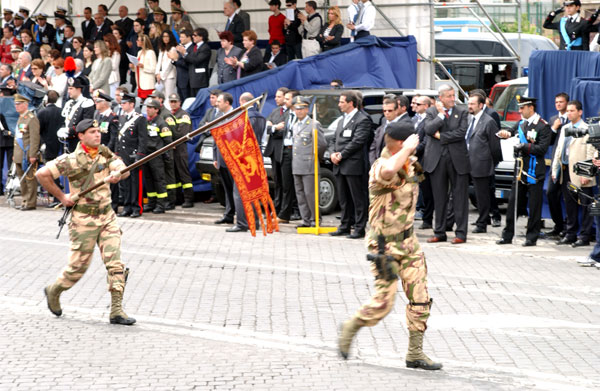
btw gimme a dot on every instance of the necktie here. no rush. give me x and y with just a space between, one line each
281 111
227 25
195 48
563 120
469 131
446 114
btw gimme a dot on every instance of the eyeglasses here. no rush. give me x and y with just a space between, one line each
388 111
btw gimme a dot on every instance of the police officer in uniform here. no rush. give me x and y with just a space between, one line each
77 108
182 170
394 249
534 138
43 32
131 146
26 150
573 29
93 221
159 134
168 156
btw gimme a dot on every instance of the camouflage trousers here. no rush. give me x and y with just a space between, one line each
412 271
83 241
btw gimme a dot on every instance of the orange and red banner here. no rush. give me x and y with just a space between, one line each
240 150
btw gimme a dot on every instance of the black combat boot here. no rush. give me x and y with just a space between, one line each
188 198
160 206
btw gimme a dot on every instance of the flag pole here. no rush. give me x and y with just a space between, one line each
166 148
317 229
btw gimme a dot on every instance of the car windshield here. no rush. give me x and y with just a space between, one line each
327 109
506 105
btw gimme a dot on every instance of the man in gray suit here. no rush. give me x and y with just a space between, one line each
484 154
447 160
303 160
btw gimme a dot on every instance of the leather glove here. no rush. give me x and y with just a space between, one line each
520 147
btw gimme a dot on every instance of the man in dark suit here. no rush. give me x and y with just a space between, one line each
349 154
534 138
67 48
28 45
103 10
124 21
51 120
223 104
446 159
183 76
88 24
390 112
100 29
277 57
484 154
574 30
235 24
293 39
421 104
243 14
553 192
197 60
43 32
275 143
28 23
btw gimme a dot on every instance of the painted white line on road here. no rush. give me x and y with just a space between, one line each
452 368
365 277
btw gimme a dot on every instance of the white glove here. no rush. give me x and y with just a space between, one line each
115 174
62 133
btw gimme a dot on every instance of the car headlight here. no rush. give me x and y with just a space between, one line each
206 153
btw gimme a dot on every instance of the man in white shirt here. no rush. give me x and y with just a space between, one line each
309 29
365 20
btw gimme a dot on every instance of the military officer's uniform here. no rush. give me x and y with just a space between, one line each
534 139
131 146
26 146
92 222
159 134
574 30
43 35
392 205
59 32
76 110
303 161
182 170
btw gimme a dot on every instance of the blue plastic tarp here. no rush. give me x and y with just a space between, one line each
587 91
552 72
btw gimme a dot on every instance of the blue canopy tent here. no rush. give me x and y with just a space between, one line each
369 62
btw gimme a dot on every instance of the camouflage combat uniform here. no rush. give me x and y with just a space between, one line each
391 213
93 220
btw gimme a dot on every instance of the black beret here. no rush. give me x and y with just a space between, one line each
400 130
86 124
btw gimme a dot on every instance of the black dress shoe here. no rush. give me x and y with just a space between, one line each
295 216
224 220
566 240
581 243
158 210
496 222
136 214
426 226
187 205
479 230
303 225
170 206
528 243
356 235
555 232
236 228
339 232
124 214
504 241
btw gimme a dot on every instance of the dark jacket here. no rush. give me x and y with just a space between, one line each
51 120
484 147
86 32
254 64
292 36
279 60
132 144
183 74
537 148
237 28
109 126
452 137
126 25
44 37
34 50
335 32
274 148
378 140
494 114
6 135
352 141
197 61
574 30
97 35
258 122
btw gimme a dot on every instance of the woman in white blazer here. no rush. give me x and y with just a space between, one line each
101 68
114 50
145 71
166 72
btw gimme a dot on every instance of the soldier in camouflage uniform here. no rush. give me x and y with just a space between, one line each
393 192
25 151
93 220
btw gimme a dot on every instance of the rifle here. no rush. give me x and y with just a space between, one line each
155 154
383 262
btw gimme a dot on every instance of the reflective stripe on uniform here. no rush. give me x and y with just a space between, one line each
161 195
166 134
187 185
183 121
172 186
153 194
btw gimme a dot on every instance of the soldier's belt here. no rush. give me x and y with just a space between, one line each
93 210
399 237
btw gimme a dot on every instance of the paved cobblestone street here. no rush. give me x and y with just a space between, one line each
225 311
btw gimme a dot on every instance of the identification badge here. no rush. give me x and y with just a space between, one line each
152 133
200 70
67 50
347 133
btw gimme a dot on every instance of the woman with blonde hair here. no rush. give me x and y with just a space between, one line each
145 71
114 49
101 68
331 34
155 34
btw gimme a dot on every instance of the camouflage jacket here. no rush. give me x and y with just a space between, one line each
392 205
95 207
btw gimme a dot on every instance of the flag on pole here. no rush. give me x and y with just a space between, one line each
240 150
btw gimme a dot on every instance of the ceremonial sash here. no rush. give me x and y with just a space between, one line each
565 35
127 124
532 159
